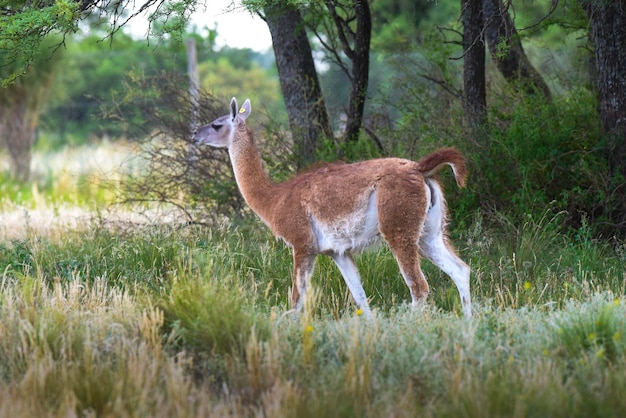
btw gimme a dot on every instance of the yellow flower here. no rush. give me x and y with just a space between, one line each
527 285
591 336
359 312
308 329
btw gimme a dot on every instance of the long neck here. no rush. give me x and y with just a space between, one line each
254 183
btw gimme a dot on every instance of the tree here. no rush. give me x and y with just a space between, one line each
350 34
489 22
31 33
343 28
20 108
474 95
395 23
88 74
506 49
608 32
93 75
308 118
607 21
24 28
296 68
25 25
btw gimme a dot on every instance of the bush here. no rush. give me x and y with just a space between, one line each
542 155
208 316
197 182
531 156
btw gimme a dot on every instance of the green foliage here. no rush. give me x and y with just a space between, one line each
171 18
26 29
237 73
594 331
91 82
98 80
542 155
395 23
26 25
362 149
209 316
531 156
144 261
16 256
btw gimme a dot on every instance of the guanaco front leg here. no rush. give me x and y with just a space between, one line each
353 280
303 265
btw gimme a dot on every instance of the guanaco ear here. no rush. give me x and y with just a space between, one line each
245 110
233 109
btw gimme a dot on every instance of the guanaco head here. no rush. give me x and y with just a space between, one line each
220 132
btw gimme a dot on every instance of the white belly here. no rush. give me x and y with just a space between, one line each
349 234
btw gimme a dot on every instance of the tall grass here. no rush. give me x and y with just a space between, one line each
83 349
194 321
186 321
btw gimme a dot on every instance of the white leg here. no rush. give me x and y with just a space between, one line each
432 245
435 249
353 280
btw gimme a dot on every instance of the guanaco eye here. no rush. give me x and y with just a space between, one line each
216 126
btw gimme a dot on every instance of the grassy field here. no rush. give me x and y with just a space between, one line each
164 320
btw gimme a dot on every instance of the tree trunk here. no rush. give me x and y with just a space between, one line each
474 92
308 118
20 107
507 52
17 129
194 100
359 55
608 32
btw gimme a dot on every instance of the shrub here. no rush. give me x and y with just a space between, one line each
208 316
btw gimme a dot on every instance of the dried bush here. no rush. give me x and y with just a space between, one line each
193 183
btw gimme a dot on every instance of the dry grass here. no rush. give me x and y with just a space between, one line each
161 321
205 343
86 350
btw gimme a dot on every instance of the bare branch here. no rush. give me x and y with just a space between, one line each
553 7
342 27
444 85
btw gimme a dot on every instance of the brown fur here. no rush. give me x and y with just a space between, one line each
339 209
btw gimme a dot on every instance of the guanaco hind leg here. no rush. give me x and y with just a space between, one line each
433 246
408 260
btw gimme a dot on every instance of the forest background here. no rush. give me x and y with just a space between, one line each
537 107
134 281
